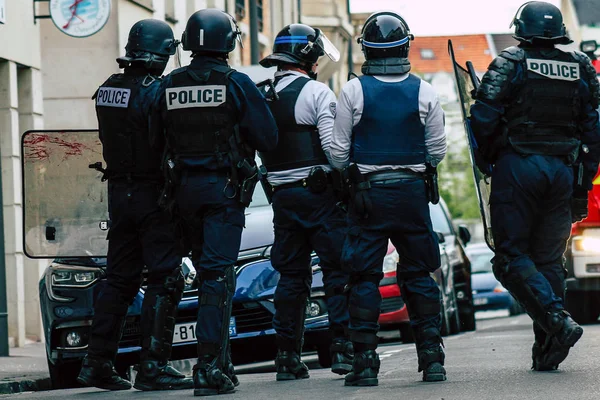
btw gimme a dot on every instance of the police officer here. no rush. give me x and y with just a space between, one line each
389 126
210 113
305 213
140 233
535 120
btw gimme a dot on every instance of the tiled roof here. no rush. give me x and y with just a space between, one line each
467 47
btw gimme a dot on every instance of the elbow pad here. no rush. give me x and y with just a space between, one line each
497 79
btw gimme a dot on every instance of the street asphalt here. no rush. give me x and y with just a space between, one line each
491 363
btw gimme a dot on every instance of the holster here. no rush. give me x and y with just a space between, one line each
268 189
431 183
244 172
357 188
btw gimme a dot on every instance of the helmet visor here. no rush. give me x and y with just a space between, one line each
236 30
328 48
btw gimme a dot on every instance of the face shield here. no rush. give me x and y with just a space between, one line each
236 30
323 43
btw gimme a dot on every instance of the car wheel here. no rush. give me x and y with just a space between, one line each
454 319
582 306
445 321
64 376
406 333
467 317
324 355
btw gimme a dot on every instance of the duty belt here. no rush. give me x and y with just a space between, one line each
389 177
301 183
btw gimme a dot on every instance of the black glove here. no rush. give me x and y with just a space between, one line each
579 207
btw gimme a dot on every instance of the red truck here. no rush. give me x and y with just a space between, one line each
583 250
583 263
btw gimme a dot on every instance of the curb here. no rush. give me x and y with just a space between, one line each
25 385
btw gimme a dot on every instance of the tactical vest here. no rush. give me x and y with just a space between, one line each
390 131
125 143
201 115
542 115
298 145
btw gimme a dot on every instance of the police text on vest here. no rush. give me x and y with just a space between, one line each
196 96
113 97
566 71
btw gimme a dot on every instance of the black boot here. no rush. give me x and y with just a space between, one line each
101 374
557 345
209 379
365 368
152 375
342 354
431 362
289 366
230 372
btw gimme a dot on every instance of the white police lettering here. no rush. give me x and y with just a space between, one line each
566 71
113 97
195 96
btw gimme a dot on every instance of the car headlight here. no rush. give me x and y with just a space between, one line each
75 277
315 308
587 243
390 262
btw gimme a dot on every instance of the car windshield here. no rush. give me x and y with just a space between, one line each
481 262
439 220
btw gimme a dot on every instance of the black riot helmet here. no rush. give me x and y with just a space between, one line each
385 35
210 31
540 22
300 44
149 45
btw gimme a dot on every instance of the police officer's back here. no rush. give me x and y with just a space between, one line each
304 204
535 120
389 126
214 118
140 233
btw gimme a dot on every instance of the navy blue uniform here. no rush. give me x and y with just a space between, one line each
140 234
534 111
390 145
305 219
199 107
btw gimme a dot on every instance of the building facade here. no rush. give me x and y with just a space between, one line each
47 79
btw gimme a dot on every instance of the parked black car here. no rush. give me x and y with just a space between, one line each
68 288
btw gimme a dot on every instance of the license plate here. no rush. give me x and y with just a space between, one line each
481 301
187 332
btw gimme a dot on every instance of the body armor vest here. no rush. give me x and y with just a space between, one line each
125 143
201 115
542 117
390 131
298 145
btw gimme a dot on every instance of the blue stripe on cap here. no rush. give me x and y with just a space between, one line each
385 45
291 39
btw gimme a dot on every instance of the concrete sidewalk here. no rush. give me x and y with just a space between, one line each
25 370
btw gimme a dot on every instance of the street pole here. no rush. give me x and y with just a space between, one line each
254 50
3 306
350 44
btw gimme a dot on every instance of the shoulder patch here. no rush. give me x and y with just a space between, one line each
195 96
332 107
113 97
552 69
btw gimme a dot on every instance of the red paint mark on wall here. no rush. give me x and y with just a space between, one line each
40 146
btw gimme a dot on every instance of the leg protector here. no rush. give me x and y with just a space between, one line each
211 374
288 362
158 322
